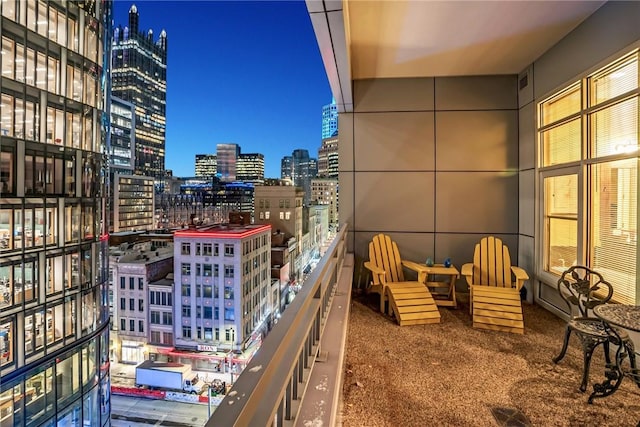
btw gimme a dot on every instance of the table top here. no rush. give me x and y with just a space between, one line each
624 316
440 269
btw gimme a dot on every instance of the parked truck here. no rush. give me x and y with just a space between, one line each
168 376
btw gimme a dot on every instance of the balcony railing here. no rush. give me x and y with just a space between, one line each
276 388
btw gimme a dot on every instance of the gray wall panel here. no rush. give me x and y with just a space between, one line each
477 140
476 93
611 28
394 141
527 137
345 142
525 94
477 202
345 196
526 209
526 259
382 202
393 95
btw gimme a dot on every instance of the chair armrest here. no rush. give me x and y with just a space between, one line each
418 268
521 276
467 272
378 273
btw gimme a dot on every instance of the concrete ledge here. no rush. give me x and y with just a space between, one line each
323 396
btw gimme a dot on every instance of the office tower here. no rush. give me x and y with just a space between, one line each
303 169
139 76
54 337
227 155
133 203
286 168
250 168
206 165
328 158
330 120
121 148
214 307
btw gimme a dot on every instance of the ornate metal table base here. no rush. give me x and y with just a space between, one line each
614 372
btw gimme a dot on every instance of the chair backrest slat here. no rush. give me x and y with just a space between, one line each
492 263
384 253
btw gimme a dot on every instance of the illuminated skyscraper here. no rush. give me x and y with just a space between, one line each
227 155
250 168
206 165
140 76
54 337
330 120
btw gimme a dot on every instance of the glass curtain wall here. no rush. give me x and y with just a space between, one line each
54 366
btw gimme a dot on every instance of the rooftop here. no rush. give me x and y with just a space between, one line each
224 231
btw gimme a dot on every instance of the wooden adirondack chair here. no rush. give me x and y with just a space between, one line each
494 293
410 301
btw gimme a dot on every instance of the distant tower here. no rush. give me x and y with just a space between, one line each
139 76
286 168
330 120
328 158
304 169
227 155
206 165
250 168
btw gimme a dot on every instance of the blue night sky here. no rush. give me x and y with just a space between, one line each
244 72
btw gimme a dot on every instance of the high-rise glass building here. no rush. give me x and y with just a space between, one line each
301 169
206 165
330 120
250 168
54 338
227 155
139 76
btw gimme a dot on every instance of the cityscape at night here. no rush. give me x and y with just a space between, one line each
319 213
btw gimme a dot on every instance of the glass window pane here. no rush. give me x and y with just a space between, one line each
616 80
614 130
613 225
560 223
560 144
560 106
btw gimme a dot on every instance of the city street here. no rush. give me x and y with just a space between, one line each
137 412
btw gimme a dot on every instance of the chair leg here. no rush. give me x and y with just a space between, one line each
607 356
588 346
565 344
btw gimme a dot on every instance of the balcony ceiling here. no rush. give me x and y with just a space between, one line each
415 38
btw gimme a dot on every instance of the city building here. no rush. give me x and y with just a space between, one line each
324 191
138 308
328 158
54 336
281 207
235 197
206 165
139 76
330 120
120 148
301 169
227 159
286 168
123 137
133 203
223 286
250 168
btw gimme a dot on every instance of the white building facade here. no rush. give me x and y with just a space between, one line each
222 278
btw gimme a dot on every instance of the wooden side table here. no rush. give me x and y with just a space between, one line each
441 282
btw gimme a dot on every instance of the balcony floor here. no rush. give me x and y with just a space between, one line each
451 374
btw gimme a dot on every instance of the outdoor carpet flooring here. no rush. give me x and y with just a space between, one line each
450 374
